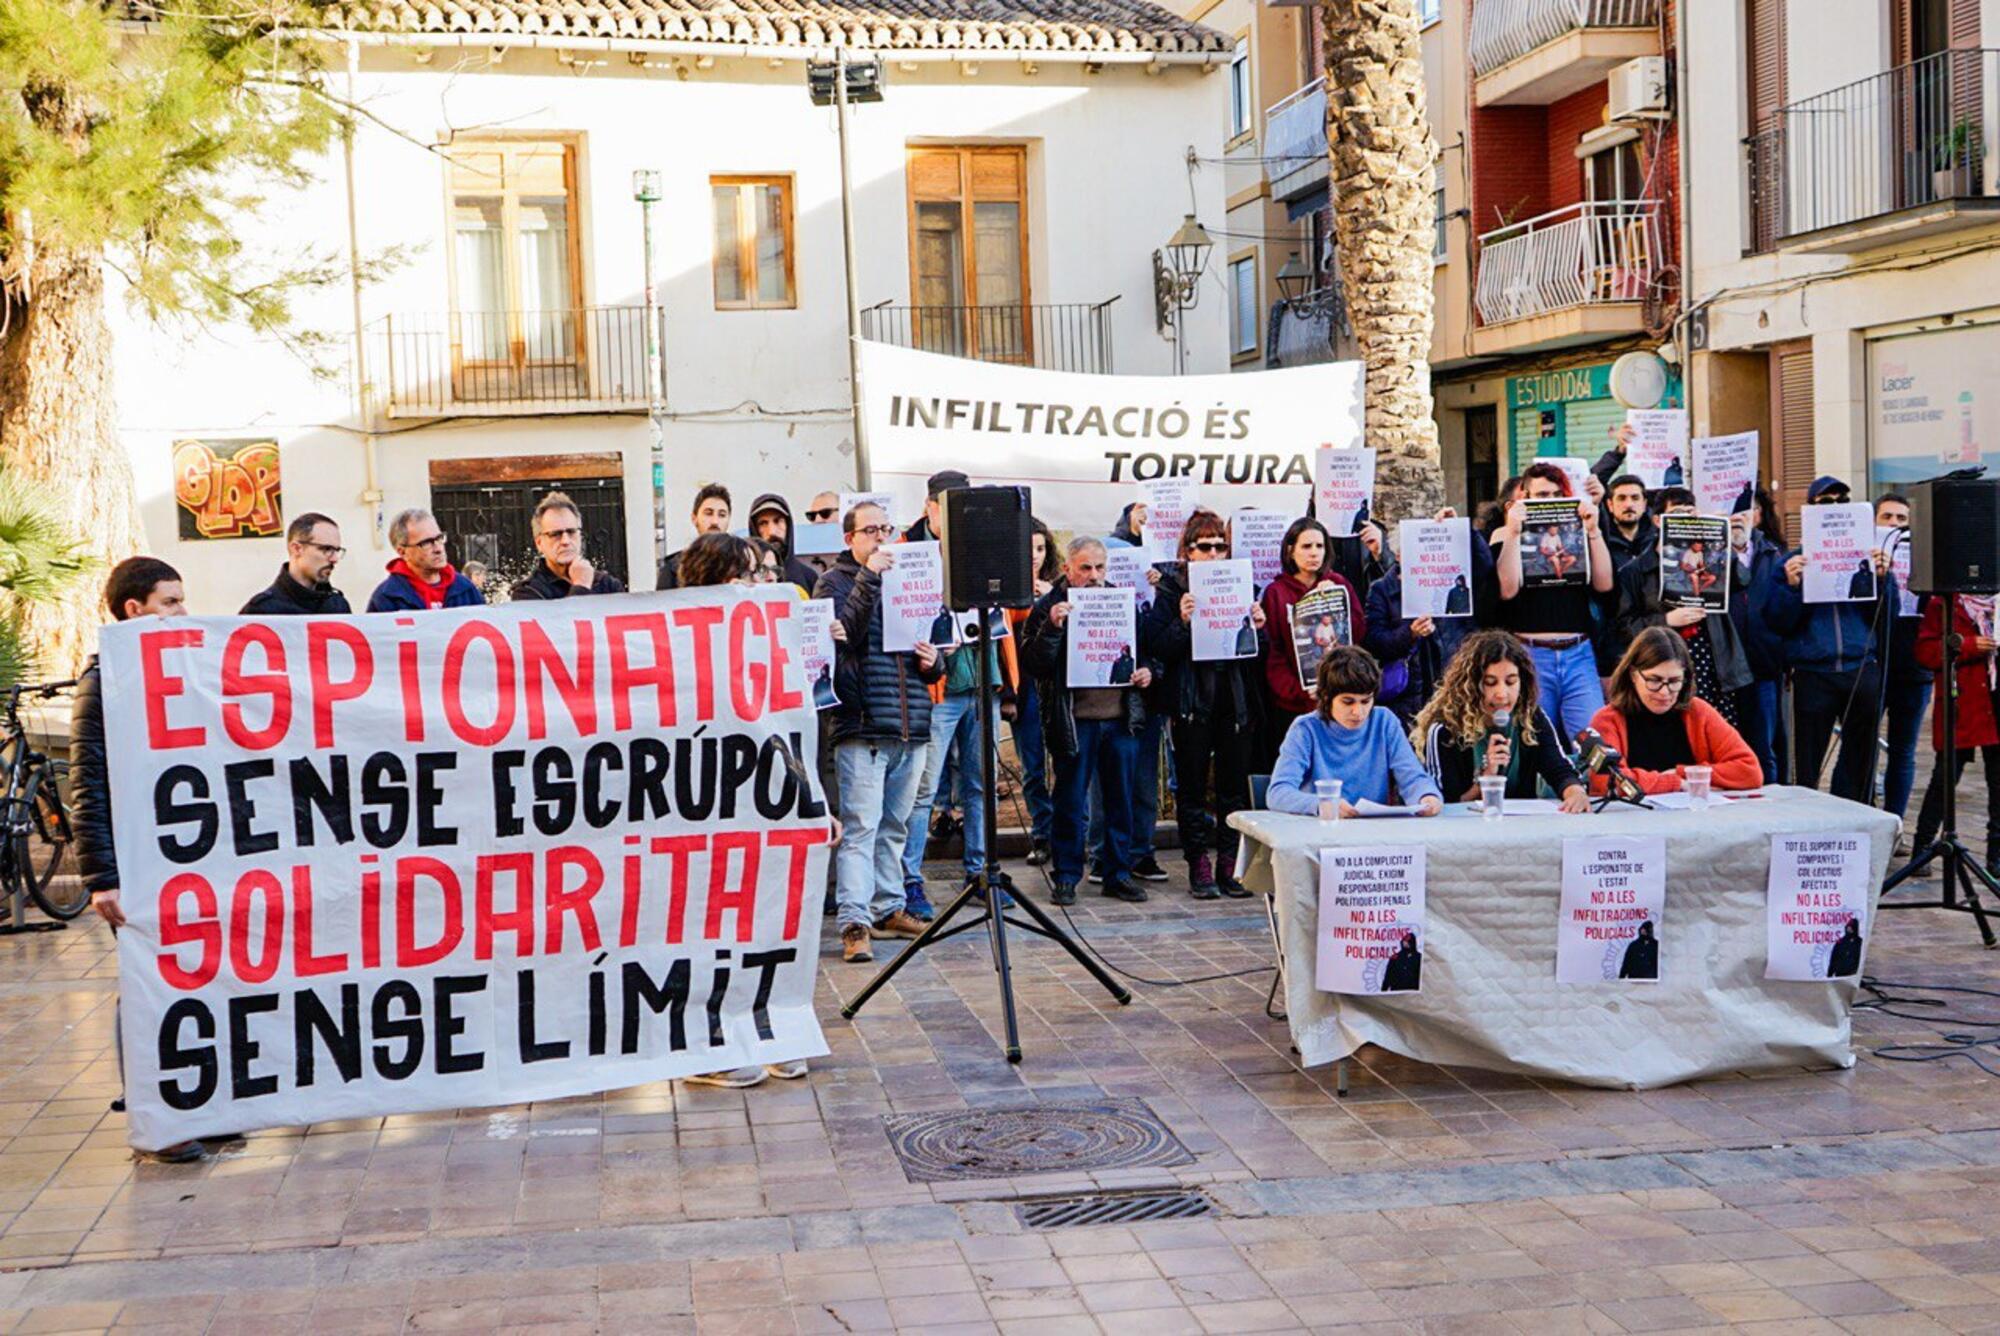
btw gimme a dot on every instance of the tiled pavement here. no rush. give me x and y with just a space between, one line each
1430 1199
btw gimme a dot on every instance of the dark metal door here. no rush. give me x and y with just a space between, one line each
493 523
1482 457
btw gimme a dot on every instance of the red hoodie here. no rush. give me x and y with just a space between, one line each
431 594
1281 664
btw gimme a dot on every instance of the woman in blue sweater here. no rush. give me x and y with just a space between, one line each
1349 738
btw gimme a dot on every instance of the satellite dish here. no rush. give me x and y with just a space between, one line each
1639 380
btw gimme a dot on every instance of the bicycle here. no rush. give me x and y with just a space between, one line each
34 819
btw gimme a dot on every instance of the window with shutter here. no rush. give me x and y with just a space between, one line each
1792 423
1767 62
969 250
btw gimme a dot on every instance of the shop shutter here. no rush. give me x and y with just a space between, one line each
1527 441
1964 24
1792 423
1587 425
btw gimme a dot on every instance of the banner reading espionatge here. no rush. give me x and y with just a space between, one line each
1084 443
479 856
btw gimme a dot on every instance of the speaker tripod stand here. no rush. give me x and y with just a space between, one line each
1962 872
986 895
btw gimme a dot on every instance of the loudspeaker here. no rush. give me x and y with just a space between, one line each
987 541
1955 536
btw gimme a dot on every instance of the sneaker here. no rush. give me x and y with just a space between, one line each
1094 875
786 1071
899 924
1201 878
185 1152
1063 894
1149 869
1117 888
854 945
1232 888
918 905
736 1078
1040 854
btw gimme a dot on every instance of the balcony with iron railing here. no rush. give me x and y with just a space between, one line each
1534 52
1568 276
1064 336
1312 328
1295 143
587 359
1903 154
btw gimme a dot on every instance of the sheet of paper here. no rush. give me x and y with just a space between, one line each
1839 541
1260 535
1725 472
1169 502
1125 567
1320 620
1658 453
1369 807
1816 907
816 652
1344 488
1371 919
1694 562
817 540
1103 645
886 500
1610 918
1435 558
1221 628
913 607
1554 548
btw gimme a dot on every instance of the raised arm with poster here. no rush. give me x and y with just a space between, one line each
1084 442
1222 626
1614 890
374 866
913 607
1371 919
1725 473
1816 907
1344 488
1436 561
1169 502
1259 536
1103 637
1658 453
1839 549
1554 548
816 652
1694 562
1321 619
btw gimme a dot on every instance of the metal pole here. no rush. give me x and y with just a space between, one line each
656 394
861 470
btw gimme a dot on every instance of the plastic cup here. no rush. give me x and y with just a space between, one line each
1328 793
1696 778
1492 797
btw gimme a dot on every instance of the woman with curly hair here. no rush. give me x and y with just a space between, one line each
1461 737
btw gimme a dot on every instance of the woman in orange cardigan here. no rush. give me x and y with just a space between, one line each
1661 727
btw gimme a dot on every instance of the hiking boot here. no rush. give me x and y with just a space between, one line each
900 924
1063 894
1149 869
736 1078
918 905
1232 888
1040 854
854 947
1117 888
1201 878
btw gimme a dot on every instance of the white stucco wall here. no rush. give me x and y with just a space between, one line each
758 398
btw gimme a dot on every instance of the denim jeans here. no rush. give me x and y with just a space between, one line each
1145 796
878 783
1108 757
1757 708
1570 691
1904 703
954 724
1033 750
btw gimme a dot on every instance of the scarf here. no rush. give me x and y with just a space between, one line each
431 594
1979 607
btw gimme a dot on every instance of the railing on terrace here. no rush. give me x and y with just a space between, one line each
1910 136
1595 253
1065 336
1504 30
1295 131
481 360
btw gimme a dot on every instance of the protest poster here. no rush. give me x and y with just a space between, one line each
1344 488
1839 543
1436 562
1103 637
1554 548
482 856
818 540
1725 472
1125 567
1658 451
1221 627
1816 906
1371 919
1259 535
1320 620
1168 502
913 607
886 500
1576 470
1614 890
816 652
1896 542
1084 442
1694 562
968 626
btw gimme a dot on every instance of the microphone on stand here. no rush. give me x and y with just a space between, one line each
1595 756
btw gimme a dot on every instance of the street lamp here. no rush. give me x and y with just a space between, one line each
1294 278
1177 269
839 82
646 191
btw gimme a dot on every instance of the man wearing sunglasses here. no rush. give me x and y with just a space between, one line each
824 508
422 576
563 571
304 585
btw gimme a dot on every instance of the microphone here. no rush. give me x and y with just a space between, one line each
1501 720
1598 757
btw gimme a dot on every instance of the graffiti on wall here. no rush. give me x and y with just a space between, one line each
227 489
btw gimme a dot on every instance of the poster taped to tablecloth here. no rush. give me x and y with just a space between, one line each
1103 637
1614 890
1371 919
913 606
1084 443
1222 627
1817 906
480 856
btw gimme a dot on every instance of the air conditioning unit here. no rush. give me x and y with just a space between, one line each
1638 89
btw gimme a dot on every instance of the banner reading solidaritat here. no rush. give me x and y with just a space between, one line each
472 857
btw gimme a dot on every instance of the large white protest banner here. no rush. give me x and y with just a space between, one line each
1816 907
1614 889
1725 472
1371 919
816 652
1221 627
1169 502
913 606
1344 488
1436 562
1084 443
481 856
1260 536
1839 549
1103 637
1658 452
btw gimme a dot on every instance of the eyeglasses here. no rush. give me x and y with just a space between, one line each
335 552
560 534
875 530
435 540
821 516
1216 546
1663 684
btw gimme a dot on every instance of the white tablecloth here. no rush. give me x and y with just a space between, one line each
1490 997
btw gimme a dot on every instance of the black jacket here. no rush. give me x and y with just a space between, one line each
90 785
1455 766
1763 645
1044 650
286 597
1639 607
883 696
797 571
1228 693
546 584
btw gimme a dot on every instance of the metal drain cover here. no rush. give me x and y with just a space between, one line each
1037 1139
1113 1208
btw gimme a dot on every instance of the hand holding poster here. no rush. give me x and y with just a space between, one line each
1554 548
1221 626
1436 562
1694 562
1816 907
1344 488
1125 567
816 653
1614 890
1320 620
1168 502
379 865
1371 919
1103 637
1839 549
1259 535
1658 452
913 608
1725 473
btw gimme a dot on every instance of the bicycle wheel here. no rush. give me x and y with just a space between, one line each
41 852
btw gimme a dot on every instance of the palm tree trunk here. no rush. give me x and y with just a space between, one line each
1379 143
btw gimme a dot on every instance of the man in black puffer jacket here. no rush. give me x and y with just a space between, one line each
881 733
303 587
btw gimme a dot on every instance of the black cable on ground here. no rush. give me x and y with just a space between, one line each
1968 1044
